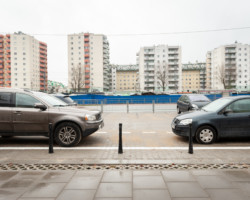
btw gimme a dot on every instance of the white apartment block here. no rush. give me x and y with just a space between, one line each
231 62
90 52
161 59
24 63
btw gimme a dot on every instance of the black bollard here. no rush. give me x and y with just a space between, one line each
190 149
120 151
51 139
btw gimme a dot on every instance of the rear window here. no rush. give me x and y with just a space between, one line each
5 99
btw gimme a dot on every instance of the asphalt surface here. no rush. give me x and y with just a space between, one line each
139 130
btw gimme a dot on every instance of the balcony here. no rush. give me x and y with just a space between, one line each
86 65
8 51
42 70
86 39
87 71
86 45
86 55
87 76
87 86
86 50
87 81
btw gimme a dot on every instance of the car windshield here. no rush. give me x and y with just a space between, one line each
200 98
67 99
53 101
216 105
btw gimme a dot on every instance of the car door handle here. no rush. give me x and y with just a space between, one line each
18 112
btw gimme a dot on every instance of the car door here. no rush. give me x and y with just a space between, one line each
186 103
26 118
236 120
6 106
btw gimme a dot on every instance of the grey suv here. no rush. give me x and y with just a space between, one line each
26 113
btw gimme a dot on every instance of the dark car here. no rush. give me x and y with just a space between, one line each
225 117
191 102
66 99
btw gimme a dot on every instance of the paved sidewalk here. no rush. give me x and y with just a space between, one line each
125 185
72 156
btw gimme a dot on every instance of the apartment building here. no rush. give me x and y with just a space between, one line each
193 77
23 62
160 68
124 78
228 67
88 62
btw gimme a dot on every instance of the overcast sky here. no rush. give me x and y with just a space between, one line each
113 17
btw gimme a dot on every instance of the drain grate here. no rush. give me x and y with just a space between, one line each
35 167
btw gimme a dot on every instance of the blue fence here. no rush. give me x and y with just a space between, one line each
144 99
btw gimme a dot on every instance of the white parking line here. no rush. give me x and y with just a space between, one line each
127 148
152 132
126 132
100 132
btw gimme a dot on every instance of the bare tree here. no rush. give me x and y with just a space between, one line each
162 77
77 78
227 76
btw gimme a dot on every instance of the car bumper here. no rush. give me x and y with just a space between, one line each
181 130
93 126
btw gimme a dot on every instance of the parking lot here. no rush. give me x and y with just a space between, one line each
140 129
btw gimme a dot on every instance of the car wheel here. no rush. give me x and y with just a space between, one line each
178 110
67 134
205 135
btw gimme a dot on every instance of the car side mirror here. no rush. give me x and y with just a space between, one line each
40 106
227 111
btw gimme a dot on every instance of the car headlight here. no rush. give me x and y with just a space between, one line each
195 106
90 117
185 122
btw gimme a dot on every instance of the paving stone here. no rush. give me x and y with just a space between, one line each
186 189
177 176
147 173
114 190
17 183
45 190
84 182
89 173
117 176
77 195
148 182
214 182
190 198
113 198
7 175
237 175
36 199
151 194
244 186
205 172
57 176
226 194
9 194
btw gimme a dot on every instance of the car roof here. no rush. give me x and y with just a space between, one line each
15 90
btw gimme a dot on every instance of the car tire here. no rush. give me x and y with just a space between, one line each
67 134
205 135
178 110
